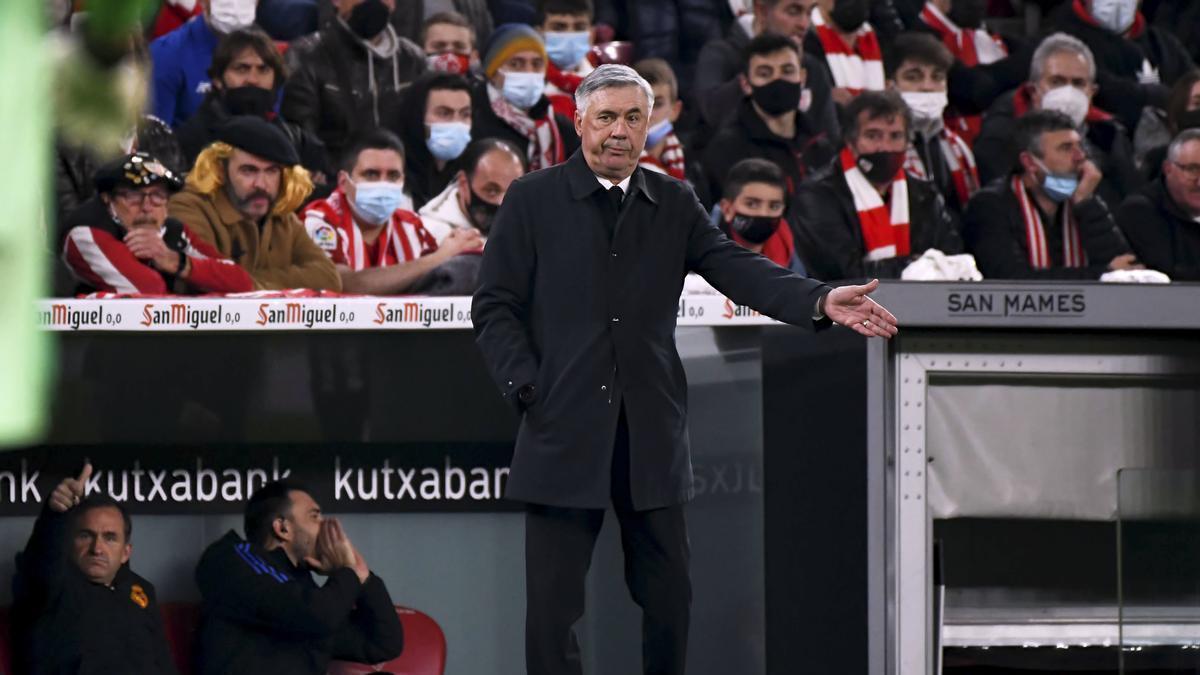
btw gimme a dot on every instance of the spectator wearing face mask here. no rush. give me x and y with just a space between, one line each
918 68
864 216
1062 77
512 104
469 204
1045 220
717 85
377 247
769 124
489 166
437 130
181 58
664 152
847 45
959 26
349 77
449 43
752 212
566 26
247 73
1122 41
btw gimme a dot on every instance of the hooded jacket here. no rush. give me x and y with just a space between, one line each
262 614
339 86
278 253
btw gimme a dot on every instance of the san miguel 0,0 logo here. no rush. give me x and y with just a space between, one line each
417 313
180 314
299 314
68 315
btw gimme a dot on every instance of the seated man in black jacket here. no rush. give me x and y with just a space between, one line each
78 608
263 613
1045 220
769 123
247 74
864 216
1162 220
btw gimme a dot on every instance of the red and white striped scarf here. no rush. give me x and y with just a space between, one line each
971 47
671 162
959 159
855 68
545 143
884 227
1035 232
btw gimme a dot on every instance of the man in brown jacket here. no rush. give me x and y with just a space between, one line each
241 197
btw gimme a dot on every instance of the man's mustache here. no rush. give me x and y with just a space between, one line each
255 195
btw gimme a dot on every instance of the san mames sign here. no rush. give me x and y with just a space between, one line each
1032 302
219 478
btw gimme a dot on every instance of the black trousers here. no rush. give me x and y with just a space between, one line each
558 551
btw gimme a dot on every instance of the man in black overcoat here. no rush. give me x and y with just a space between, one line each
575 316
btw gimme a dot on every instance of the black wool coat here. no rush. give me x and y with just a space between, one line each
589 320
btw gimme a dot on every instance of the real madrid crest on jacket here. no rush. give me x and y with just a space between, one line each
64 623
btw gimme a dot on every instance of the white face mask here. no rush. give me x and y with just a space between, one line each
226 16
1067 100
1115 15
926 105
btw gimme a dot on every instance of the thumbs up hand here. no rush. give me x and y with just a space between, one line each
71 491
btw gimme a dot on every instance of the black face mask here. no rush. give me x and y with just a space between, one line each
1189 120
777 96
754 229
368 19
849 14
968 13
249 100
880 167
481 213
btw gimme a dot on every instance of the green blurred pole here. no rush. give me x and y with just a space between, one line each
25 178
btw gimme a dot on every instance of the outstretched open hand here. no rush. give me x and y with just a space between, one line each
849 306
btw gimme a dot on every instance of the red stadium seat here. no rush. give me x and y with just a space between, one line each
424 650
180 622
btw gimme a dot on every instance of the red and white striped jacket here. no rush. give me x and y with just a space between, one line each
332 227
98 257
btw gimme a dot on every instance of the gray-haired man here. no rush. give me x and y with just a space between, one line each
603 247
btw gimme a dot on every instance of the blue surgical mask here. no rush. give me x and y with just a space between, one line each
567 49
376 202
447 140
524 89
656 133
1058 187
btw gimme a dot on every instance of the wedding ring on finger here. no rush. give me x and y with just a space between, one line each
866 322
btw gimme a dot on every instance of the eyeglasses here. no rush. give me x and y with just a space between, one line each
1192 171
137 197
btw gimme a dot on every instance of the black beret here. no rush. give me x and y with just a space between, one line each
136 170
259 137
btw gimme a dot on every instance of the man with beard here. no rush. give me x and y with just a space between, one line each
378 247
247 74
264 613
241 197
121 240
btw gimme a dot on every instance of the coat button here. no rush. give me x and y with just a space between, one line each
614 254
510 383
604 387
616 320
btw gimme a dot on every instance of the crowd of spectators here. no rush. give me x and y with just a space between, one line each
363 146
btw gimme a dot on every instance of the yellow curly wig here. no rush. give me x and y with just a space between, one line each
208 175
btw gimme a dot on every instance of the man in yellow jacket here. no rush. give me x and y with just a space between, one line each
241 197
